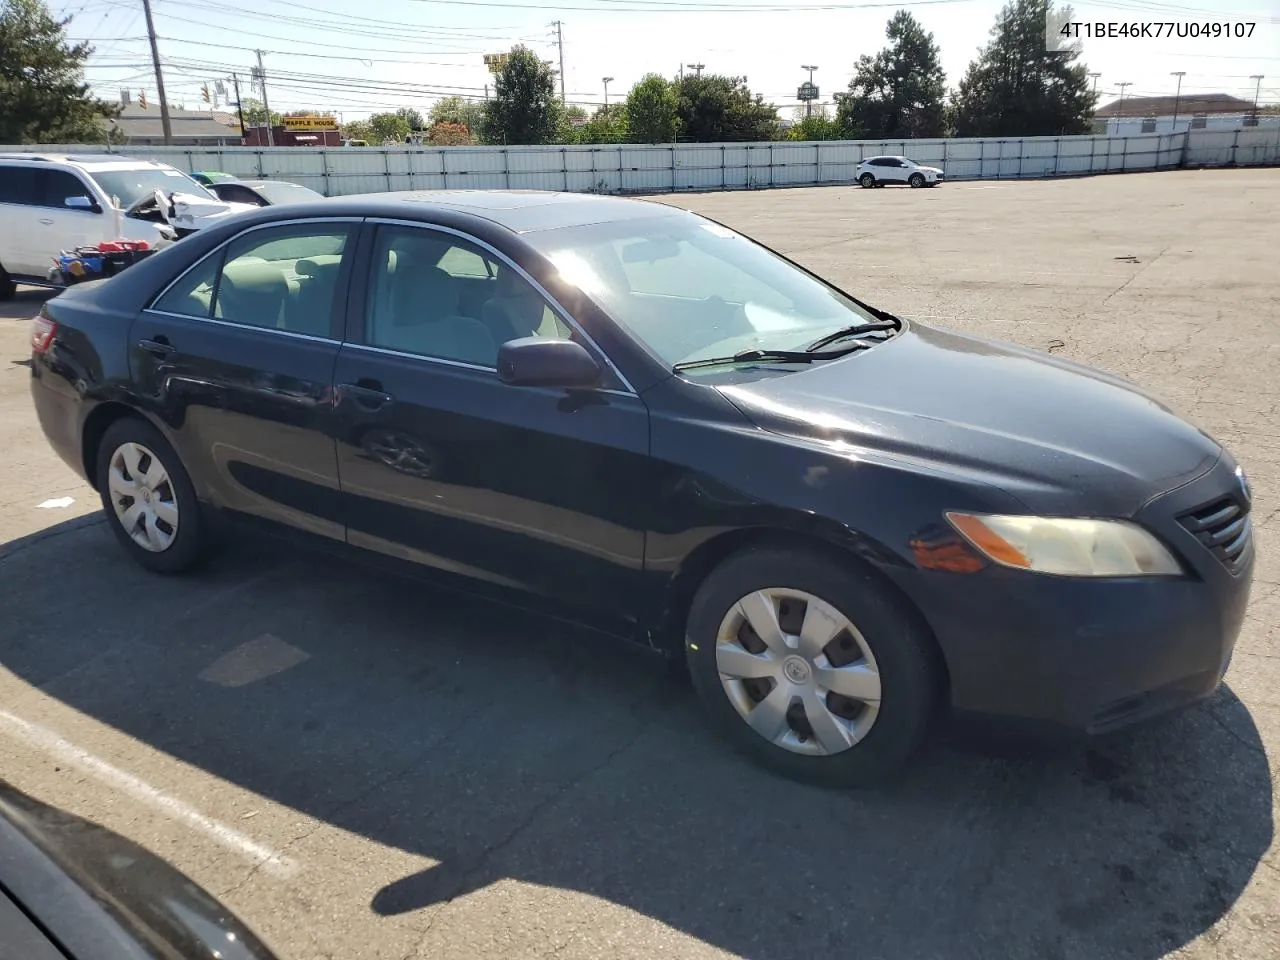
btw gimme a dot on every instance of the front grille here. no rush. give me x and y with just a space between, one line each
1224 527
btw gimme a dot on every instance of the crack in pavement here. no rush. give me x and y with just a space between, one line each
1136 274
487 856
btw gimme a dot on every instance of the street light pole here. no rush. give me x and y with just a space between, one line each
1177 97
606 92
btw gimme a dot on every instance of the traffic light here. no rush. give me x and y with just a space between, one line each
204 93
142 99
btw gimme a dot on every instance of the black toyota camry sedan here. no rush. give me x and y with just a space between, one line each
618 411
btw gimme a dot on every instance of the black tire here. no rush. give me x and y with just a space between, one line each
867 180
916 180
7 287
191 541
903 650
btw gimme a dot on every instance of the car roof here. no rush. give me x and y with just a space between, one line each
521 211
96 162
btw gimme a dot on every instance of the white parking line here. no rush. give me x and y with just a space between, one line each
35 735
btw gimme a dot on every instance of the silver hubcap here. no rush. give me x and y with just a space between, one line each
798 671
143 497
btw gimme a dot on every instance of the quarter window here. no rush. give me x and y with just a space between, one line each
440 296
280 278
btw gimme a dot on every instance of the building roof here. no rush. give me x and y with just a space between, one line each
140 122
1187 104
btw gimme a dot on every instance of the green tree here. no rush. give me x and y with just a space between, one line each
607 125
43 96
413 118
1019 88
388 127
816 127
524 108
717 109
899 92
651 111
358 130
255 113
456 110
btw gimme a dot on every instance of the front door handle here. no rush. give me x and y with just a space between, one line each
157 348
46 221
370 396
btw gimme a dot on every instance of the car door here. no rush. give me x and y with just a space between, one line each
237 357
532 489
891 170
19 212
59 227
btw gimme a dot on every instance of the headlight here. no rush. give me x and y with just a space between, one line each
1068 547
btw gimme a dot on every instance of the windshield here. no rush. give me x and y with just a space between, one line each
691 289
130 186
278 191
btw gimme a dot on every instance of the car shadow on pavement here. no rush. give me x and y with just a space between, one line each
25 304
504 746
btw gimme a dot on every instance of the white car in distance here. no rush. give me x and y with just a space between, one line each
54 202
877 171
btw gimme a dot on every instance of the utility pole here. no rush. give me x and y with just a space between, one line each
808 104
165 126
606 91
697 68
1177 97
560 43
1095 84
1120 108
1256 91
235 85
266 107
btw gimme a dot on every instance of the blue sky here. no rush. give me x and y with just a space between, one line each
359 58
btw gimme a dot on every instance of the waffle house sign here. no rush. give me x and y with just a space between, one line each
309 124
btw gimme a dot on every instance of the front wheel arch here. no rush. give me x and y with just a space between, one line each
669 636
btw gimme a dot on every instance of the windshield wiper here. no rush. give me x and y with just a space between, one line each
893 323
777 356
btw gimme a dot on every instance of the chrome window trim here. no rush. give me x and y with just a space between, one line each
245 326
226 243
447 362
555 305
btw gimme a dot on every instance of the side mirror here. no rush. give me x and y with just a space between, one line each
81 203
543 362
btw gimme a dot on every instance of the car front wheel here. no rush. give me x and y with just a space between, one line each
814 669
916 180
148 498
867 180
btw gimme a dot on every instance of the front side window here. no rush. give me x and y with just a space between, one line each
281 278
691 289
54 186
438 295
17 185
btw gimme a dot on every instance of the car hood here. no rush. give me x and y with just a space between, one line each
1061 437
185 210
931 169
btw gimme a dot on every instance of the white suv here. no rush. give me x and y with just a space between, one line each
53 203
877 171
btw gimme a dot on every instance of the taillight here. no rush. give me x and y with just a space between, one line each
43 330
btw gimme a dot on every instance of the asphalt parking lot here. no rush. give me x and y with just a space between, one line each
362 768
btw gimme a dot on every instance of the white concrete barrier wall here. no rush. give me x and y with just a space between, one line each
635 168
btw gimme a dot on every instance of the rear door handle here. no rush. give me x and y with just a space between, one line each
157 348
370 397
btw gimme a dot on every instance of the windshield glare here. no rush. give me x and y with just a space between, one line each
127 187
691 289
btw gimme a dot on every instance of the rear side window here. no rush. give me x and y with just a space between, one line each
280 278
54 186
18 185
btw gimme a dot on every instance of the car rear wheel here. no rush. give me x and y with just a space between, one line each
811 668
867 181
916 180
148 498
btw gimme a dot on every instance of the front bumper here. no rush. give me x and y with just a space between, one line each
1093 655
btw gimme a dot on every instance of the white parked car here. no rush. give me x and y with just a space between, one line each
877 171
50 203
